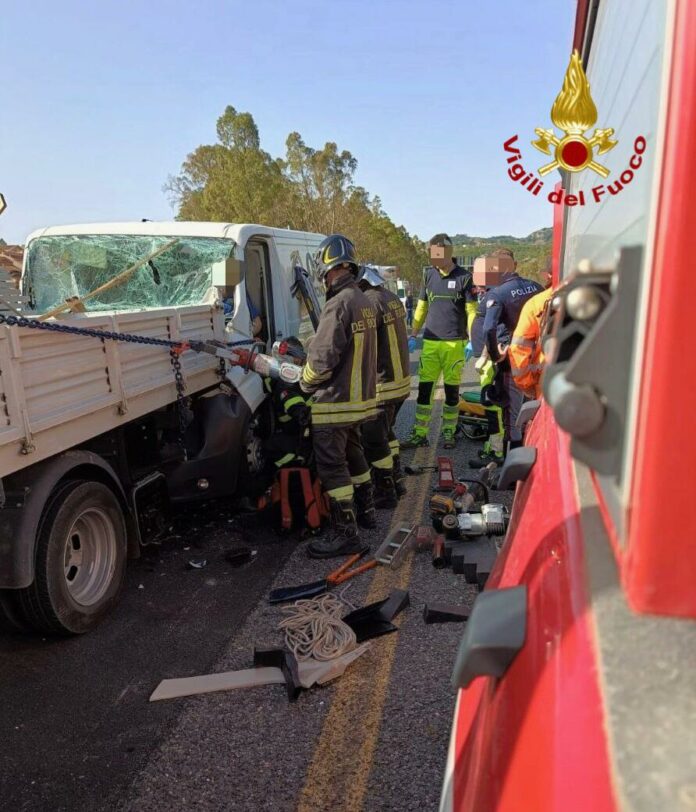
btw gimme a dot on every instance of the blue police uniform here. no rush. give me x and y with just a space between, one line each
503 307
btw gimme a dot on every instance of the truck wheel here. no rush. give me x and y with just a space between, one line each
80 560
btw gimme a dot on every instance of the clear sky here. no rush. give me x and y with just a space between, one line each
102 100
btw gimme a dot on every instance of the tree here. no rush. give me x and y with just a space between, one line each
310 189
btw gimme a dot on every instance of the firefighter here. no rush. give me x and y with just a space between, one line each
290 444
393 387
445 304
503 306
341 375
525 352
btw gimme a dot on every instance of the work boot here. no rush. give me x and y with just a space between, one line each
415 441
385 489
365 506
343 537
448 439
399 485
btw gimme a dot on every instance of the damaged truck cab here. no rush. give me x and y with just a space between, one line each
99 437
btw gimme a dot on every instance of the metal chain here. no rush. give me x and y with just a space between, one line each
180 384
110 335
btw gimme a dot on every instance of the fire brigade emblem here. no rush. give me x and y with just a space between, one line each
574 112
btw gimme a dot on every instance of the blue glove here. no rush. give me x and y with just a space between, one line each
412 344
468 352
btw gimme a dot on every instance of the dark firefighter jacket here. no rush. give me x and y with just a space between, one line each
393 373
341 367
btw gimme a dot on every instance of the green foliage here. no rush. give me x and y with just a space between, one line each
310 189
531 252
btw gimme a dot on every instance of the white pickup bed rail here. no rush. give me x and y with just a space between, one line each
58 390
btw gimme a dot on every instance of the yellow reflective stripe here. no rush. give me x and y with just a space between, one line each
285 418
290 402
344 492
283 460
394 352
310 376
343 417
356 370
361 479
518 373
387 463
523 342
322 407
395 386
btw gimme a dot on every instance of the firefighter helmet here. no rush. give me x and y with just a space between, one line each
369 275
334 251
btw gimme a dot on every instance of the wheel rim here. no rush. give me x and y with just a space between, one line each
90 556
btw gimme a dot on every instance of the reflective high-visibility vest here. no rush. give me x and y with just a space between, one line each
525 353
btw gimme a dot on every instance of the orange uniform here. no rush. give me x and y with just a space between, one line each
525 354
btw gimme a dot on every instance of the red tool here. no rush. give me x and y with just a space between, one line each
445 474
338 576
246 357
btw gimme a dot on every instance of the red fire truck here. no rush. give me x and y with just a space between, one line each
578 667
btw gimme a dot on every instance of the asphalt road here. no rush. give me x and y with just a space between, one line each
79 734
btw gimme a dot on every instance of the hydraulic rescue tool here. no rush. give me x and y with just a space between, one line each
249 358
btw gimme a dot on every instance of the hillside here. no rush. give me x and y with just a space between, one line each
531 252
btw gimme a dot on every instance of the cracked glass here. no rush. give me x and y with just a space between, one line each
63 266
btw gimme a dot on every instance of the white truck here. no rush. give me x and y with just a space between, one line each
96 439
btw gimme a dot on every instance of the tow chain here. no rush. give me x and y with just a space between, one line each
110 335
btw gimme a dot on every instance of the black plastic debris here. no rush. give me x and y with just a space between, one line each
286 661
239 556
445 613
374 619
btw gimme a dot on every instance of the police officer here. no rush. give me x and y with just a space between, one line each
445 304
393 387
503 307
340 373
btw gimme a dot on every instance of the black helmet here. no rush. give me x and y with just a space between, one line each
333 251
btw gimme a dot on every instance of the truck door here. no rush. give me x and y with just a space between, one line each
303 288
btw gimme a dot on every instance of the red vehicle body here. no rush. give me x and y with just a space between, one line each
597 710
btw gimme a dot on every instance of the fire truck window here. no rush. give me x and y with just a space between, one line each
626 70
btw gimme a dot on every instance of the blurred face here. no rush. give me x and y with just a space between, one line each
441 256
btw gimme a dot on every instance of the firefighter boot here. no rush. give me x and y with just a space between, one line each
385 488
343 537
399 478
365 506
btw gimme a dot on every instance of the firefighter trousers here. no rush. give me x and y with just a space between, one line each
379 440
340 460
514 401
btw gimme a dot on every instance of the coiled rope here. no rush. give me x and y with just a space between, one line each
314 629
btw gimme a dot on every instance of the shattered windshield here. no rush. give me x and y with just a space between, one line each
60 267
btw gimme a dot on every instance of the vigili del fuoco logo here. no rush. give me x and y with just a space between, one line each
574 113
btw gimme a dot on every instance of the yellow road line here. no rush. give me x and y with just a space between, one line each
338 774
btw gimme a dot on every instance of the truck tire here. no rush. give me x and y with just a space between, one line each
80 560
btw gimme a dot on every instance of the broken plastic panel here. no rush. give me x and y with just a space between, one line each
63 266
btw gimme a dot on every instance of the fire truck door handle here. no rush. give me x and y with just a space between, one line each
527 412
518 463
495 633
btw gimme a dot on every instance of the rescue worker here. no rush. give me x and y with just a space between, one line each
290 444
341 375
393 387
445 304
503 307
525 353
